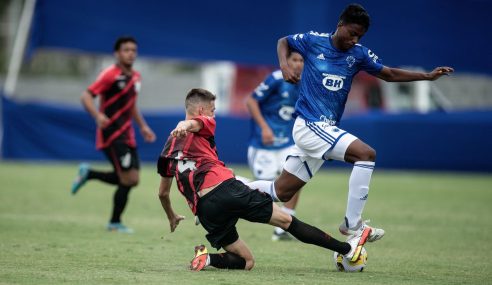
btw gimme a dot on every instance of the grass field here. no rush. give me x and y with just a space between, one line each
438 229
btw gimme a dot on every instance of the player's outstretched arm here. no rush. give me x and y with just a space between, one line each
183 127
164 191
283 52
390 74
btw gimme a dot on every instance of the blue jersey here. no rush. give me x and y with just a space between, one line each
328 74
276 99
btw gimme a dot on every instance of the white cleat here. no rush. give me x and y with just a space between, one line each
376 234
357 241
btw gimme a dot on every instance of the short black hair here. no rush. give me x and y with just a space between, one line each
355 14
123 39
198 95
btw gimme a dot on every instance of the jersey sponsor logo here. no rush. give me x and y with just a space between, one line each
184 165
333 82
327 122
321 56
286 112
325 35
350 61
372 55
259 90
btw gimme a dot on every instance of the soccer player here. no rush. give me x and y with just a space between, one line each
331 61
218 199
117 88
271 107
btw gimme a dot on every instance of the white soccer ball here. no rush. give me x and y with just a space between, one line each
343 264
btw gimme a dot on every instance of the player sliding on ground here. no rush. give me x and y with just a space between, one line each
331 60
219 200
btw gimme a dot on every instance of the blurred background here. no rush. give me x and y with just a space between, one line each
51 50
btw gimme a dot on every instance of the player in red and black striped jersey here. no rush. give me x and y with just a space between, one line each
117 88
218 199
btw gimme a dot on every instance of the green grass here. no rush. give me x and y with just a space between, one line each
438 229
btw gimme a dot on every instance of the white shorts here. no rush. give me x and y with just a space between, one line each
267 164
315 143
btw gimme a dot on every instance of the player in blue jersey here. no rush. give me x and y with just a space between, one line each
271 107
331 60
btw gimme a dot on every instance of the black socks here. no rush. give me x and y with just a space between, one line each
227 260
312 235
108 177
120 199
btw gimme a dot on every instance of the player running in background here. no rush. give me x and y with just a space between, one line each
117 88
271 107
331 60
218 199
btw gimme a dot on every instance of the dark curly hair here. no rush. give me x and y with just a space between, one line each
355 14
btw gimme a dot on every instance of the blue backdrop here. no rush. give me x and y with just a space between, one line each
457 141
424 33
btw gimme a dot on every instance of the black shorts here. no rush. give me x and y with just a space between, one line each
220 209
122 157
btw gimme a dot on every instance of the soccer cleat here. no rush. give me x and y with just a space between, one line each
81 177
283 236
200 260
357 241
120 228
376 234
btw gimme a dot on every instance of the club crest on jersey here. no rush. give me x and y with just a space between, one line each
333 82
121 84
350 61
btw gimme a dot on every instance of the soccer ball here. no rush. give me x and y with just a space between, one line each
343 264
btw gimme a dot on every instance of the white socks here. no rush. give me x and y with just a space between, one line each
264 186
358 191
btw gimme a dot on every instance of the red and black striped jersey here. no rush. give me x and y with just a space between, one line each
118 94
193 161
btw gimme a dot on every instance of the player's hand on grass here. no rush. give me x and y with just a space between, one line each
289 74
102 120
174 221
440 71
267 137
147 134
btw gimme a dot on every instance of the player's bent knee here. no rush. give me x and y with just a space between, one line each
129 178
129 181
370 154
285 196
250 263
